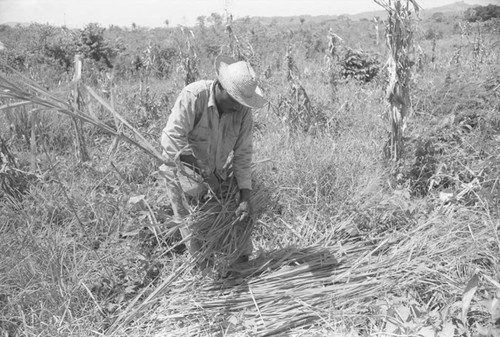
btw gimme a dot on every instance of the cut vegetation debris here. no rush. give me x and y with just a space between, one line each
297 288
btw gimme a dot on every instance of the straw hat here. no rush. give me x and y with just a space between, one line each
240 81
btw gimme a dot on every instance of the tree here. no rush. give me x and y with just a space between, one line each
200 20
94 46
215 19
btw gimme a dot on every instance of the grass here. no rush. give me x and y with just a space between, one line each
347 245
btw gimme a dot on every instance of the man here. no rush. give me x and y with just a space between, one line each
209 121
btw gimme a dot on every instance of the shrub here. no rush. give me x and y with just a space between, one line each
359 65
482 13
62 48
94 46
432 34
438 17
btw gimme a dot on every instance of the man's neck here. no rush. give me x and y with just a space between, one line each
216 94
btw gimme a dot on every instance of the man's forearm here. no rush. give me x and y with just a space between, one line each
191 162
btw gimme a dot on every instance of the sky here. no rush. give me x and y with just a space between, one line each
154 13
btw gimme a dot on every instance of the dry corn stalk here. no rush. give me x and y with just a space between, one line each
80 147
399 39
334 41
240 50
377 21
332 57
26 92
118 125
189 58
292 71
234 42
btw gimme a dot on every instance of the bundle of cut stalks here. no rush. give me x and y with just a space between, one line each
221 235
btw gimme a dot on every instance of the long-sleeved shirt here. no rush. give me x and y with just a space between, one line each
196 127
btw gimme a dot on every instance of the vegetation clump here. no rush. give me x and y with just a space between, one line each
359 65
482 13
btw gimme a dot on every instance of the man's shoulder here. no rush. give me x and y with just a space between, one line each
199 87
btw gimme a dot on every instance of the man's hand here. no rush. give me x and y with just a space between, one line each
244 210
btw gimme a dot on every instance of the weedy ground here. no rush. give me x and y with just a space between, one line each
428 225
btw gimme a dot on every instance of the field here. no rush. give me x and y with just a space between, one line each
348 241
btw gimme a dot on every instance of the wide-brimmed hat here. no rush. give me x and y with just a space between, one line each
240 81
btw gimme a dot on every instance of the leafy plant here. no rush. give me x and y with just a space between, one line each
359 65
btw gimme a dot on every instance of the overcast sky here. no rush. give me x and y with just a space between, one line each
153 13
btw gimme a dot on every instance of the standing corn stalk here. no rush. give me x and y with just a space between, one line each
190 58
118 124
332 58
295 107
399 39
334 42
377 21
292 71
80 148
234 43
240 50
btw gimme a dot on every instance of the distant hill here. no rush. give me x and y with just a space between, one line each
457 7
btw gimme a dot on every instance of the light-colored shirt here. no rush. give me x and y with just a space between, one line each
196 127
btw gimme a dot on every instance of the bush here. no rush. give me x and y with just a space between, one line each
94 46
359 65
62 48
438 17
432 34
482 13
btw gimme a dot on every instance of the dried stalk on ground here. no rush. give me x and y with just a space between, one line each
78 105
